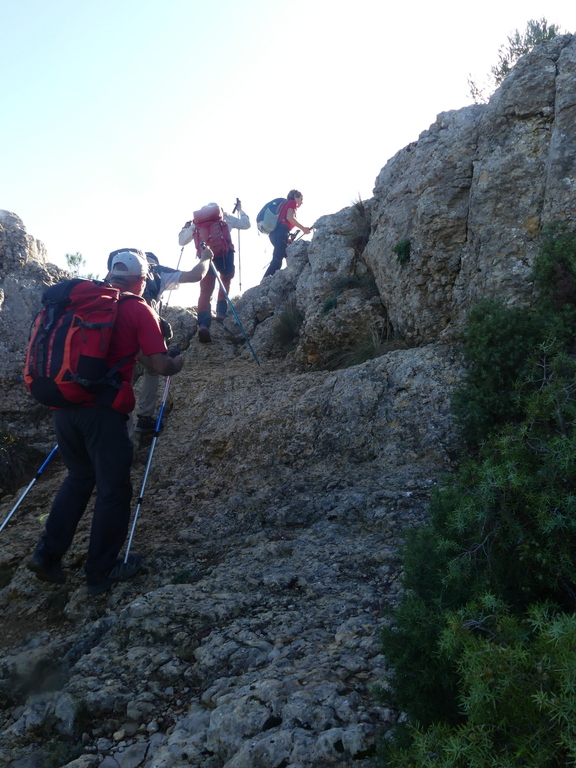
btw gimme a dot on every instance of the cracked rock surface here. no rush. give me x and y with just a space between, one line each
270 524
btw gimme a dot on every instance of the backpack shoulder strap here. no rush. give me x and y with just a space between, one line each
128 295
282 209
111 373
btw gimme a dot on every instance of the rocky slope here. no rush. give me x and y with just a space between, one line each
269 528
279 491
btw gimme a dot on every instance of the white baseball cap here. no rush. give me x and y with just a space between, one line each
128 262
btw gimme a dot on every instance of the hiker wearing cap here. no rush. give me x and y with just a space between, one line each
95 446
212 225
280 234
161 279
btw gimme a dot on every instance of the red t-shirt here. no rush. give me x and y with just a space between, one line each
284 213
136 328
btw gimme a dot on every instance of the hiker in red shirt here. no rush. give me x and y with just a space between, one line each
95 447
286 222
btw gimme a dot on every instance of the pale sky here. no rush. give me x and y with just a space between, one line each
119 118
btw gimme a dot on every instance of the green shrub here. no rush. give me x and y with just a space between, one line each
518 682
483 641
555 266
371 344
497 342
554 273
504 524
288 324
360 235
59 752
330 304
402 251
424 684
498 339
365 283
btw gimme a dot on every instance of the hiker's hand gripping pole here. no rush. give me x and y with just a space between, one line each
215 271
157 428
295 236
36 476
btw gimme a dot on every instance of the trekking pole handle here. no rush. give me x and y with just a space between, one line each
205 245
236 205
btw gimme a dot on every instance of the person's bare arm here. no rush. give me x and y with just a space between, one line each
292 219
197 273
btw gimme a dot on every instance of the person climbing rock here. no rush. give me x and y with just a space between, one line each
280 234
212 225
161 279
95 446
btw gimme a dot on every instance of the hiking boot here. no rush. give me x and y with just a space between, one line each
46 570
121 572
204 334
146 424
220 319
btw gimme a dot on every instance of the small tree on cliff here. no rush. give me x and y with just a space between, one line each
76 262
517 45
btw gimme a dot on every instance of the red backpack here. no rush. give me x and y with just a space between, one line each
66 359
212 230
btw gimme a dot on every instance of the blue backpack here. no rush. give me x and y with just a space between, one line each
268 217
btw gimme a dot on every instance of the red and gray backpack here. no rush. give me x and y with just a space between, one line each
210 228
66 359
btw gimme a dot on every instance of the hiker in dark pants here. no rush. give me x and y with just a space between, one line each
160 279
280 234
95 447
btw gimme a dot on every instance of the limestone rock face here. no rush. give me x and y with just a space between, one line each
471 197
184 324
422 195
24 276
17 248
472 194
326 291
260 308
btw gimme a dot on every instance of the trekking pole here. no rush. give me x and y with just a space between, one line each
237 208
299 236
157 429
177 266
36 476
214 270
239 265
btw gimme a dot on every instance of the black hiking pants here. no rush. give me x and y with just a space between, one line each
279 239
97 452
